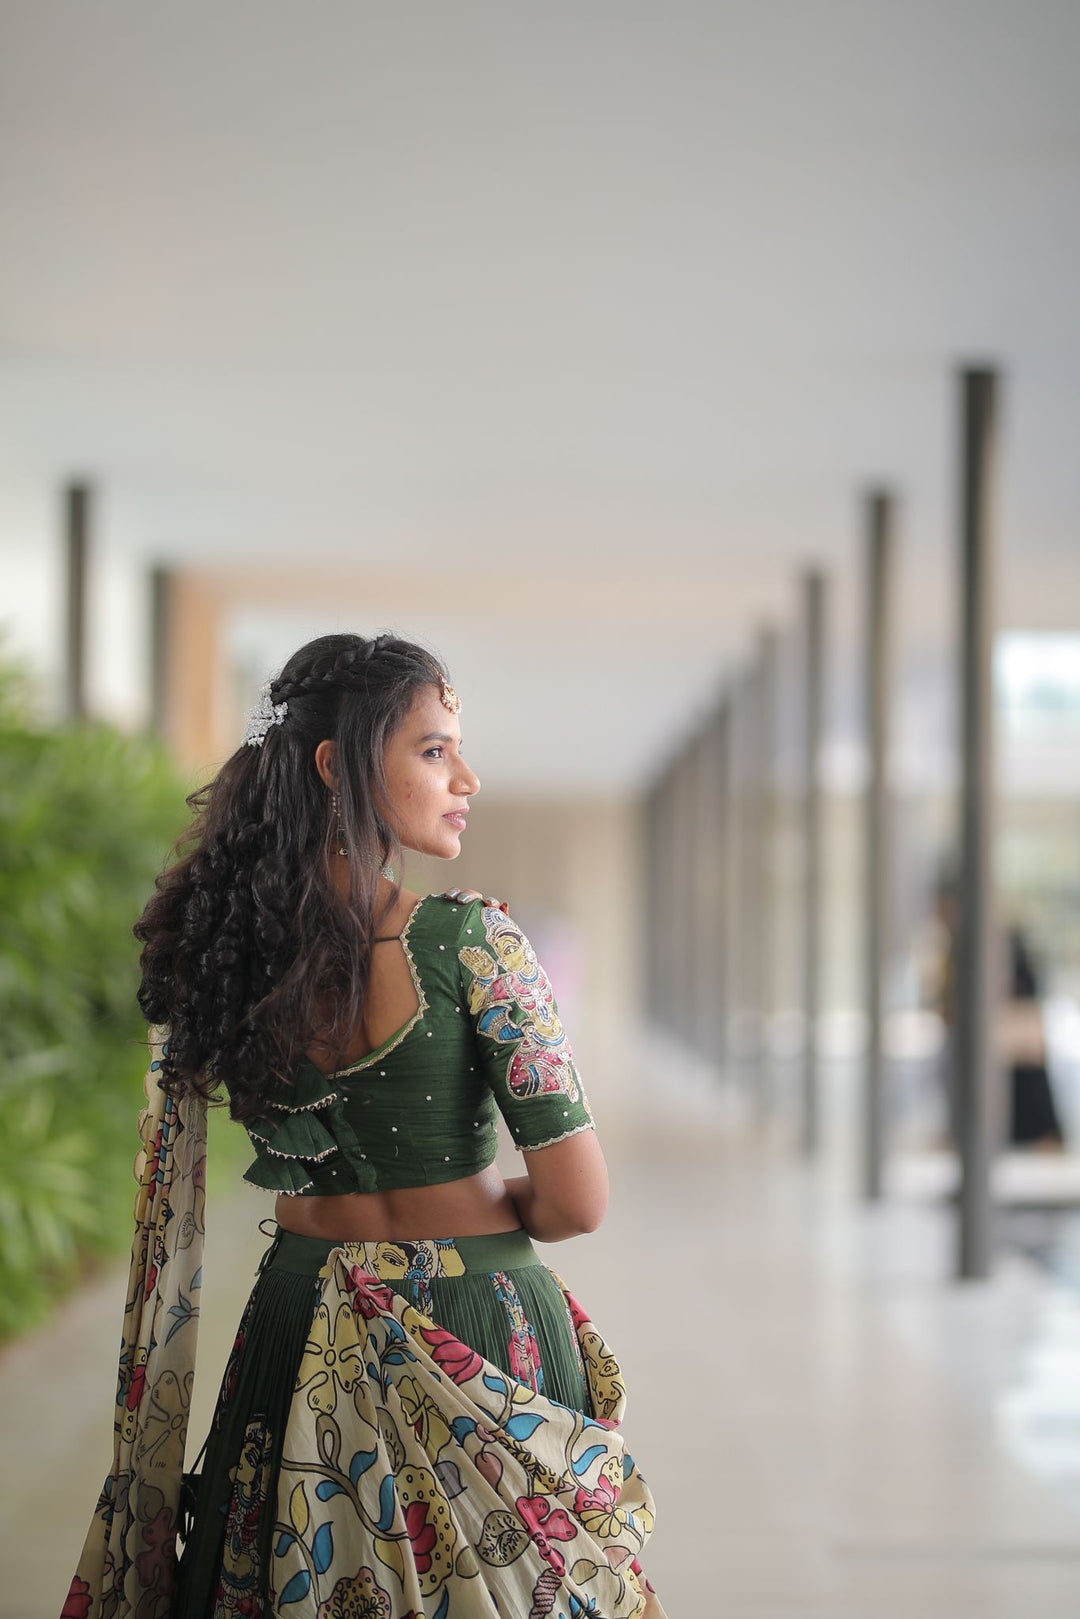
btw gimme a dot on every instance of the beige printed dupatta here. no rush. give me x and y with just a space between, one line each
128 1565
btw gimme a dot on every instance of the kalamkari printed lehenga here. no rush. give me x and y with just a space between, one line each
365 1461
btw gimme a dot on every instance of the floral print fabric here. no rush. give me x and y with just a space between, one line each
527 1056
128 1565
418 1479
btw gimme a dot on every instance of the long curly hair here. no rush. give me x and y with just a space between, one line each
250 955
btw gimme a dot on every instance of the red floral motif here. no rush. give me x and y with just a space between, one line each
456 1359
603 1498
160 1555
77 1605
421 1534
545 1523
136 1388
577 1314
232 1370
372 1296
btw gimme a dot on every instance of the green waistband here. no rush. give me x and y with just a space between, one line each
503 1250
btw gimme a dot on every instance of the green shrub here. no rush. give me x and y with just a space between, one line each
87 817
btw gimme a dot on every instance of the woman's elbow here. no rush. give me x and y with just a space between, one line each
583 1214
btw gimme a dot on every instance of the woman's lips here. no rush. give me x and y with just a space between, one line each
456 818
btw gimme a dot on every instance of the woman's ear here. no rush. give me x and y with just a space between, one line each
326 763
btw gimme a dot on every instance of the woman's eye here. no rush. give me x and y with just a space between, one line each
433 753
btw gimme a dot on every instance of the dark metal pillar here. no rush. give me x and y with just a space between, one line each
813 721
879 546
743 916
725 834
765 855
665 877
77 500
976 945
702 909
688 909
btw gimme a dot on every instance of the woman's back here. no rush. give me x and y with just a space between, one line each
460 1019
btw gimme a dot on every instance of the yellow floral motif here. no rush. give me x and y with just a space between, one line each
603 1373
601 1514
333 1358
425 1417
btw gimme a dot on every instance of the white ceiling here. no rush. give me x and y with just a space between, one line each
600 313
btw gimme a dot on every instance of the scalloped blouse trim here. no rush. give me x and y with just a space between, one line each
421 1004
278 1191
306 1157
308 1107
534 1146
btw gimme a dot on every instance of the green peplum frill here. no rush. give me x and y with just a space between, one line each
310 1129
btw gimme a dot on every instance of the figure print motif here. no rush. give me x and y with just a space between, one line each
524 1349
511 999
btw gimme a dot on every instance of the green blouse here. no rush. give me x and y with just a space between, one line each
420 1109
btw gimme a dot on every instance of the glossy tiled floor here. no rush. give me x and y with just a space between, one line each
832 1428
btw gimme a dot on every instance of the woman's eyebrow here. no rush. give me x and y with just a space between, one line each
437 736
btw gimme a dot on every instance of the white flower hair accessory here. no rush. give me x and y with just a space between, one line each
263 715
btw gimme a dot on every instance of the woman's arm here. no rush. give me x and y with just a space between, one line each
565 1192
530 1067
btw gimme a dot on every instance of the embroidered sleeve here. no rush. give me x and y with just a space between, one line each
526 1056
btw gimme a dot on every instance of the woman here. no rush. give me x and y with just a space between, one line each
416 1418
1033 1114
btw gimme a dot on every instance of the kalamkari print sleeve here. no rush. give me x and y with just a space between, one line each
522 1044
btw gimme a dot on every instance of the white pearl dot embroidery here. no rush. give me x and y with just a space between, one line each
429 1098
442 947
394 1128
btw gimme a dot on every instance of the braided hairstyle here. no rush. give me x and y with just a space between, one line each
250 956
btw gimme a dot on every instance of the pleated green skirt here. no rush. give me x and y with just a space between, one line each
493 1294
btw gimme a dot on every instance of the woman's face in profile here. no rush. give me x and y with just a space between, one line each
428 782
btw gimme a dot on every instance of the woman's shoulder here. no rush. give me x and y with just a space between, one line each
455 916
